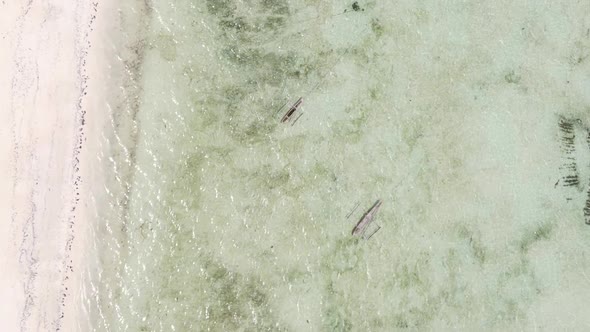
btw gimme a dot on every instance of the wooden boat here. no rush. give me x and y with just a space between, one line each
366 220
292 110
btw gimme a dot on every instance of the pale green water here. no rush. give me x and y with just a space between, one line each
449 113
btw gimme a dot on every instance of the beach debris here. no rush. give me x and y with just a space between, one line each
367 218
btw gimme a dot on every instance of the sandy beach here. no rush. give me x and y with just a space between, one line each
51 90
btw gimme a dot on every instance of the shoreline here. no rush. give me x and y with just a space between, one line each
46 136
111 157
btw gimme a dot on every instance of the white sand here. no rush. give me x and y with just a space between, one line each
43 62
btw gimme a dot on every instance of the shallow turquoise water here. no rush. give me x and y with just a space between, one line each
223 218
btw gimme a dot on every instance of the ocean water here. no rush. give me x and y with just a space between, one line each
218 217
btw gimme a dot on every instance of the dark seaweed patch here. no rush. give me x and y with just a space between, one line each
336 319
237 56
223 8
274 23
275 6
579 54
238 24
230 299
475 244
262 19
512 77
255 132
271 68
542 232
377 27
